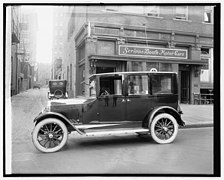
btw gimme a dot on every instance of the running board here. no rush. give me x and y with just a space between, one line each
116 131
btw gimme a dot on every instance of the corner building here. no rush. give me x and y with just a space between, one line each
138 38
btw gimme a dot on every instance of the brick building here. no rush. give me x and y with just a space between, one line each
138 38
23 48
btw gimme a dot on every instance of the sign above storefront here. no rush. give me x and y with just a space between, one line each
152 52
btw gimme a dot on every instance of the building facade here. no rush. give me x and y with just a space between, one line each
59 35
23 49
139 38
43 74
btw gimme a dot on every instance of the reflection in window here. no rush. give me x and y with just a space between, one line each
138 84
161 84
111 84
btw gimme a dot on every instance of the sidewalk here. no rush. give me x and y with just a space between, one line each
197 115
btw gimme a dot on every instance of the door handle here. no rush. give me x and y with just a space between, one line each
123 100
128 100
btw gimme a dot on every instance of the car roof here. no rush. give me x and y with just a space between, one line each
132 72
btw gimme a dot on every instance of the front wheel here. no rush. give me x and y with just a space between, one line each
164 128
50 135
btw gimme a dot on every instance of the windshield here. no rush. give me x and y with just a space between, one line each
92 87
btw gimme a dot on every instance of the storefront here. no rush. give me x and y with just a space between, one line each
107 51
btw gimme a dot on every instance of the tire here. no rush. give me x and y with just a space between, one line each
50 135
164 128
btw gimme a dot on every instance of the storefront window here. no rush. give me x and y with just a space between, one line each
137 66
165 67
152 65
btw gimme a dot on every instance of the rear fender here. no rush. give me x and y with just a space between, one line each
164 109
59 116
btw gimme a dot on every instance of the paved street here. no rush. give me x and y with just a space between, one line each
191 152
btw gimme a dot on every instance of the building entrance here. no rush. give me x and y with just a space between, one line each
185 87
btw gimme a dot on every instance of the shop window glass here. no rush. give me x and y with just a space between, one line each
138 85
181 12
152 65
161 84
165 67
137 66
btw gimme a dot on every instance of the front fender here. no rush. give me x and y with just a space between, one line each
59 116
165 109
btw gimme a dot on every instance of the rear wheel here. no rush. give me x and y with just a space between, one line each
50 135
164 128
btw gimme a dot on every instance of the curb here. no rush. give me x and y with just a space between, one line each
197 125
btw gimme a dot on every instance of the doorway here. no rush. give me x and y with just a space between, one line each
185 87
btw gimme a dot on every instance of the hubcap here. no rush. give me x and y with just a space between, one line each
50 135
164 128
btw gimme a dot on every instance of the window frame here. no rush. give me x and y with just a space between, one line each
139 94
172 88
185 13
208 9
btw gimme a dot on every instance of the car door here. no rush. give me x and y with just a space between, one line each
111 101
138 98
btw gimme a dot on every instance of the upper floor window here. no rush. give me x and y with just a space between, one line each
208 14
152 11
112 8
132 9
205 53
144 10
181 12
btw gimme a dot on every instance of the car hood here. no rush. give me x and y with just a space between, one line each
73 101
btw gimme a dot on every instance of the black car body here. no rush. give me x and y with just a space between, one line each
120 102
57 89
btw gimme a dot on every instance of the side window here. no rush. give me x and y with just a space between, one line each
111 85
138 84
161 84
92 88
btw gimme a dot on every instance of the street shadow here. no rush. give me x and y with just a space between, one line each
110 141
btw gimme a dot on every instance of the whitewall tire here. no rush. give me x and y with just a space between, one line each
164 128
50 135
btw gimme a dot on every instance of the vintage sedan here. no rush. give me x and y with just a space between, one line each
119 102
57 89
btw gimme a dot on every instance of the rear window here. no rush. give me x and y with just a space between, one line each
161 84
57 83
